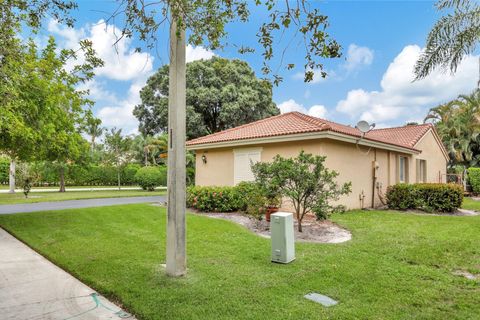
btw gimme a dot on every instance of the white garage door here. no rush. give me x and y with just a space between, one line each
242 163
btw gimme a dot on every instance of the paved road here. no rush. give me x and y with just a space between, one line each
68 189
75 204
31 287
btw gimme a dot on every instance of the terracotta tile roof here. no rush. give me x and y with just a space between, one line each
295 123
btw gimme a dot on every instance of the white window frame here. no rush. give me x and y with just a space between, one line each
422 170
403 179
241 170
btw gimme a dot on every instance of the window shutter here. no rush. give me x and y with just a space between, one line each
242 164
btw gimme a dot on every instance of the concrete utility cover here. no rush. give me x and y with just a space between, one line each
31 287
320 298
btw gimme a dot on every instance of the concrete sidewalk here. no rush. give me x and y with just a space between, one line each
33 288
76 204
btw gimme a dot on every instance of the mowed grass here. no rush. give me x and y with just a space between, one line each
18 197
398 266
470 204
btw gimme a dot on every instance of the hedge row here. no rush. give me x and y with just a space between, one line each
430 197
246 197
46 174
474 179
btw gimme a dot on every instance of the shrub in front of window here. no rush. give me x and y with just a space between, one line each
151 177
474 179
430 197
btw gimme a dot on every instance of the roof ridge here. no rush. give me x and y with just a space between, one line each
405 126
241 126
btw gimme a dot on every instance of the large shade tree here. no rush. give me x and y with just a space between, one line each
34 86
221 94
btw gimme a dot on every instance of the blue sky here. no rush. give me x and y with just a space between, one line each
381 40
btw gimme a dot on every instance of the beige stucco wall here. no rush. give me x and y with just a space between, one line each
353 164
436 163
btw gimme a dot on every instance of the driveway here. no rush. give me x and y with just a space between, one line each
75 204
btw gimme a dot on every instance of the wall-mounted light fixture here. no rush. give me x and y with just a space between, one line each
204 159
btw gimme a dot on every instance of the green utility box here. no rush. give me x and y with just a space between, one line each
283 237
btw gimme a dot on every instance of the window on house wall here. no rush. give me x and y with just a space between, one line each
243 159
421 170
402 169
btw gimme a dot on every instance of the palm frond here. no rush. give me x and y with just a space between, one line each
452 38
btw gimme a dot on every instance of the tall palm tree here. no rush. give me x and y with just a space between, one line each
454 36
94 129
458 124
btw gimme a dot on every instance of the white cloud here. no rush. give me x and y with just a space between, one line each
290 105
119 112
318 111
121 60
358 57
400 98
198 53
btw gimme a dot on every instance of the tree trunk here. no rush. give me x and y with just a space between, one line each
176 259
299 225
118 177
62 179
11 177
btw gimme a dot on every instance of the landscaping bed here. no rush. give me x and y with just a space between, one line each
313 230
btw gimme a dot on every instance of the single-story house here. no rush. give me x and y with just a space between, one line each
382 157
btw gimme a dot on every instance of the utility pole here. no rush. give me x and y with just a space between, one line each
176 264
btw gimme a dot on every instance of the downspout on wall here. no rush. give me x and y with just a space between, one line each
374 173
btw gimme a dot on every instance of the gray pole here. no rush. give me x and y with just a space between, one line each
176 264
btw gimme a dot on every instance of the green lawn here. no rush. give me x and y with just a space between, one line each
7 198
398 266
470 204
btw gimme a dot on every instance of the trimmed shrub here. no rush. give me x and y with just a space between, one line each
150 177
214 199
430 197
246 197
474 179
402 197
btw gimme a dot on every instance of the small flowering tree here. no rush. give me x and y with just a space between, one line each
305 181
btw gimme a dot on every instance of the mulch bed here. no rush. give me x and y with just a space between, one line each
313 231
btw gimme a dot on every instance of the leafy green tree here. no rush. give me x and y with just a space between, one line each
221 94
94 129
454 36
64 109
305 181
118 148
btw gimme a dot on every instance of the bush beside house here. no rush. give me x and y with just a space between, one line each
430 197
